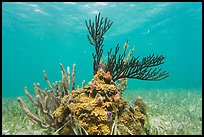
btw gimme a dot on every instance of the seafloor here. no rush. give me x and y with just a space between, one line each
171 112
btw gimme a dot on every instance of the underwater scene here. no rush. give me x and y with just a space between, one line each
101 68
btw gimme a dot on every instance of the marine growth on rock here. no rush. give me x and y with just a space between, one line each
98 107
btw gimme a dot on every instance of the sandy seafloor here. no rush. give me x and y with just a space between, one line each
171 111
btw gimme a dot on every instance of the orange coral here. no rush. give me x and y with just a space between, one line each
107 77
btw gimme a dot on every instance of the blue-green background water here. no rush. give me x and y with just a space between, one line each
38 36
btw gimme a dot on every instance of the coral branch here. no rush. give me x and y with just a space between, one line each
120 66
73 76
30 97
122 83
46 79
68 78
97 30
48 100
34 118
83 84
64 81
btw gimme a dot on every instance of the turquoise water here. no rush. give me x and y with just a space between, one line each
39 36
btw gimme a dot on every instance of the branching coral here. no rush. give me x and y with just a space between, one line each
122 66
134 68
97 30
48 100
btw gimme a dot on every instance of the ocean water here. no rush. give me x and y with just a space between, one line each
38 36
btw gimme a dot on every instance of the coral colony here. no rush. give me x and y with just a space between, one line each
98 107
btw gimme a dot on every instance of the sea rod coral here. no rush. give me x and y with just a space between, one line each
97 108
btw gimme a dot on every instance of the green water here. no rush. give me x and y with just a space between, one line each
39 36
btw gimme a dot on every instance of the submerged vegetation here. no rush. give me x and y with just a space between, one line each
97 108
171 111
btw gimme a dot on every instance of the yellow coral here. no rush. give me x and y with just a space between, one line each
106 87
99 76
99 113
104 129
91 105
93 129
58 113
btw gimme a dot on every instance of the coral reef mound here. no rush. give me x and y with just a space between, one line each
99 109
